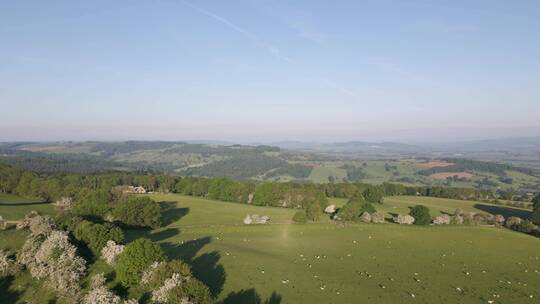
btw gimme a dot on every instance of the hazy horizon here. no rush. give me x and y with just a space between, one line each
266 71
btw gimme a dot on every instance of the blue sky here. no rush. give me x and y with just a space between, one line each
248 70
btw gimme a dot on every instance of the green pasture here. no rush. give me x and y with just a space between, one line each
328 263
15 207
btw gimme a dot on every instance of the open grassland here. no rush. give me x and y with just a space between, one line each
14 207
437 206
322 174
328 263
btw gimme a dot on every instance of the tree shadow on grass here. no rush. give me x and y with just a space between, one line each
250 296
170 213
6 295
205 267
504 211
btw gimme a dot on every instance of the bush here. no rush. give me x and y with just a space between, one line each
172 282
365 217
135 259
525 226
535 217
442 220
300 217
354 208
138 211
92 203
373 195
421 215
377 217
512 222
97 235
313 212
404 219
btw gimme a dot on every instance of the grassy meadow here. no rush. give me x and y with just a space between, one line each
329 263
13 207
324 262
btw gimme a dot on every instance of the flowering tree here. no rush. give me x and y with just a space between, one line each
442 220
377 217
404 219
99 294
7 265
111 251
365 217
49 255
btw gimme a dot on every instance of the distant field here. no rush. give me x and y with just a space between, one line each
327 263
445 175
14 207
321 174
434 164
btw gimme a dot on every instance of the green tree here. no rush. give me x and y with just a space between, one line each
135 259
421 215
535 216
536 202
97 235
354 209
138 211
373 194
92 203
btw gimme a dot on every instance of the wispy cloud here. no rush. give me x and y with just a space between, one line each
270 48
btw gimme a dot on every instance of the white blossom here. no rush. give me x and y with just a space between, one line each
111 251
442 220
404 219
99 293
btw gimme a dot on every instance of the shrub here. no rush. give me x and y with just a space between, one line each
404 219
135 259
92 203
442 220
300 217
421 215
8 266
525 226
377 217
457 220
535 217
172 282
138 211
97 235
373 195
512 222
354 208
365 217
313 212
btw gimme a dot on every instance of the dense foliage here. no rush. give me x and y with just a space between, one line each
135 259
138 211
421 215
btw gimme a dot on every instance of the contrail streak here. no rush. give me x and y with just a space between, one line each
273 50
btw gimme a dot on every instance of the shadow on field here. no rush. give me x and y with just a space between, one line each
6 295
504 211
250 296
23 204
205 267
170 213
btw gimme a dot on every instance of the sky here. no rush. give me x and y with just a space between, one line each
263 70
